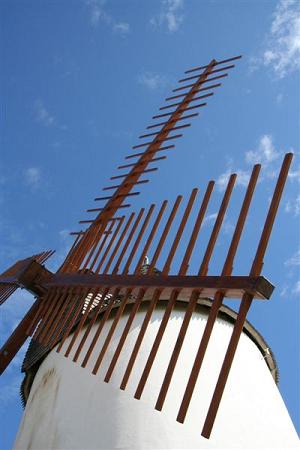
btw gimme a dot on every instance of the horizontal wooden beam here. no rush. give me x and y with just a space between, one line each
231 286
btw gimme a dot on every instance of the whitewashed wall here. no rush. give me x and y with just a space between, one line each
69 408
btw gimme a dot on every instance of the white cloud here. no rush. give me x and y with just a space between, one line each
296 289
99 14
32 177
294 260
151 80
42 115
282 53
265 153
209 218
241 180
121 27
294 175
170 15
293 206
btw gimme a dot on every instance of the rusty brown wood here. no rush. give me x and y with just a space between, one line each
107 250
216 64
193 77
157 141
100 327
179 127
115 270
111 331
17 339
63 315
137 303
52 301
136 172
185 108
127 205
43 303
218 298
206 81
75 310
160 124
129 183
247 299
112 206
169 308
138 240
92 320
101 245
157 292
155 295
118 244
150 161
128 291
195 294
116 291
97 309
173 97
7 291
94 293
134 155
232 286
130 194
192 100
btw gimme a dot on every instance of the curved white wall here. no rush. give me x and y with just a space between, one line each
69 408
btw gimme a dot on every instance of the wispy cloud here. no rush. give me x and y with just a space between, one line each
151 80
170 15
293 206
98 14
296 289
42 115
242 178
293 260
210 218
32 177
264 154
282 51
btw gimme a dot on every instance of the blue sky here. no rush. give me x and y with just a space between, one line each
80 81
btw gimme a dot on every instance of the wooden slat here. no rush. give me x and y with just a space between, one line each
206 81
100 244
247 298
17 339
137 303
216 64
207 88
118 244
169 308
195 294
108 248
92 320
188 116
94 293
192 100
128 292
218 298
134 155
157 292
179 127
193 77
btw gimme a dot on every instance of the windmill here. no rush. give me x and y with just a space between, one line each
107 268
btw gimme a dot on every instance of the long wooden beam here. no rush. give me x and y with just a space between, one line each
232 286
